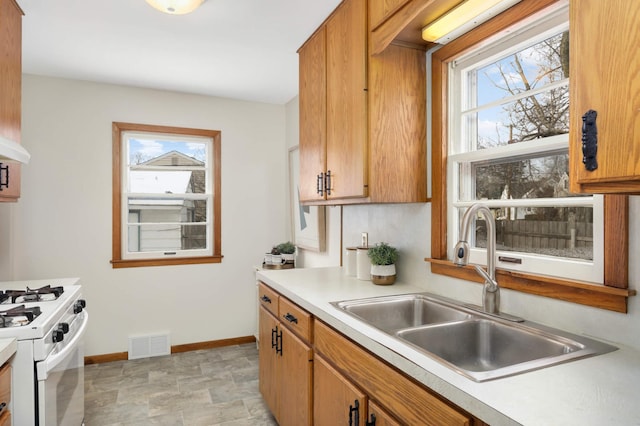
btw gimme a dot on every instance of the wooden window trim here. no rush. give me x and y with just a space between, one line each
613 295
117 261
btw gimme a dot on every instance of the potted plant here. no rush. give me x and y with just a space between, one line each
287 251
276 256
383 263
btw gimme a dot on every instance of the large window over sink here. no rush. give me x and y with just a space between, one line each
508 148
500 105
166 202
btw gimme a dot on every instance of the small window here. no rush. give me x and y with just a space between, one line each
166 198
508 148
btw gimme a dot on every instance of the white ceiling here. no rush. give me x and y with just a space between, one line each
241 49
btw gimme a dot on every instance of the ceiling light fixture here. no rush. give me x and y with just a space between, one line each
175 7
463 18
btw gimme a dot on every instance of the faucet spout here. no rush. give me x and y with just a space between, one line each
491 290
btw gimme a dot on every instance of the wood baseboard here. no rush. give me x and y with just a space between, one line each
211 344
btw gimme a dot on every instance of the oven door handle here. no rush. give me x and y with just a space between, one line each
51 362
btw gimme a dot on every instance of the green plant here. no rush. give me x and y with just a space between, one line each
286 248
383 254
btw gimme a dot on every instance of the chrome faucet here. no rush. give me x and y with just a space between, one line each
491 290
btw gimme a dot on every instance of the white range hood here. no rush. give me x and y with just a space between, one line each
13 151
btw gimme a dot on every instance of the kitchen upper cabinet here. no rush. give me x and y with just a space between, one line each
381 10
337 401
605 78
285 359
364 140
313 117
10 91
333 107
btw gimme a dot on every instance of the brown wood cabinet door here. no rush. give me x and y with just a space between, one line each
313 115
382 418
347 100
335 398
10 88
269 381
296 403
605 36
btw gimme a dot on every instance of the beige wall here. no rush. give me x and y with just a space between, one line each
62 224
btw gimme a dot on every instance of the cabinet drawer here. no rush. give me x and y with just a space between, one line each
296 318
384 383
268 298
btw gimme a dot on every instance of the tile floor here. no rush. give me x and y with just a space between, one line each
206 387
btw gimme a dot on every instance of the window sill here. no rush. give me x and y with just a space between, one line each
609 298
134 263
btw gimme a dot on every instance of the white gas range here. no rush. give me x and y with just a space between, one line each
48 319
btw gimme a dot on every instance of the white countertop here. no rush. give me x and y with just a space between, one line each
600 390
8 347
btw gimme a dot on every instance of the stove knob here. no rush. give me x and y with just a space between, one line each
58 336
64 327
79 306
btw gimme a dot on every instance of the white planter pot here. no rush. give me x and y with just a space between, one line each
383 274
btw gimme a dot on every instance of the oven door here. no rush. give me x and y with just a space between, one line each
61 379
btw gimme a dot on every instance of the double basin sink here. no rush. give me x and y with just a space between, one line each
477 345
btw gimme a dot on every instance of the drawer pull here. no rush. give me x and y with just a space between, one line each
290 318
372 422
3 406
265 299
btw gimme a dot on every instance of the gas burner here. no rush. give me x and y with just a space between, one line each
42 294
18 316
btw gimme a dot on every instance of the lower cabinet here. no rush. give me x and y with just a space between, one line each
408 402
5 394
335 400
312 374
286 365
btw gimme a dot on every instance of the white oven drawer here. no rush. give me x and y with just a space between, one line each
61 379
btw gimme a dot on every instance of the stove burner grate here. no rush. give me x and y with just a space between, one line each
43 294
18 315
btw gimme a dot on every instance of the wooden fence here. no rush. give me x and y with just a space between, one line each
537 234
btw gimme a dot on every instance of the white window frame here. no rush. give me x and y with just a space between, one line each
126 194
459 156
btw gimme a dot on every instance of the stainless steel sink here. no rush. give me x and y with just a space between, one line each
399 312
478 346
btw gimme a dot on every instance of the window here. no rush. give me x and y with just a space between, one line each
500 136
509 149
166 195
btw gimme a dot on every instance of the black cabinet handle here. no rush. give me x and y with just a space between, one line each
3 406
354 412
279 343
290 318
589 140
4 183
320 184
327 183
265 299
274 337
372 422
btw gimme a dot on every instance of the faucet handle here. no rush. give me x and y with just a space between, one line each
461 253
